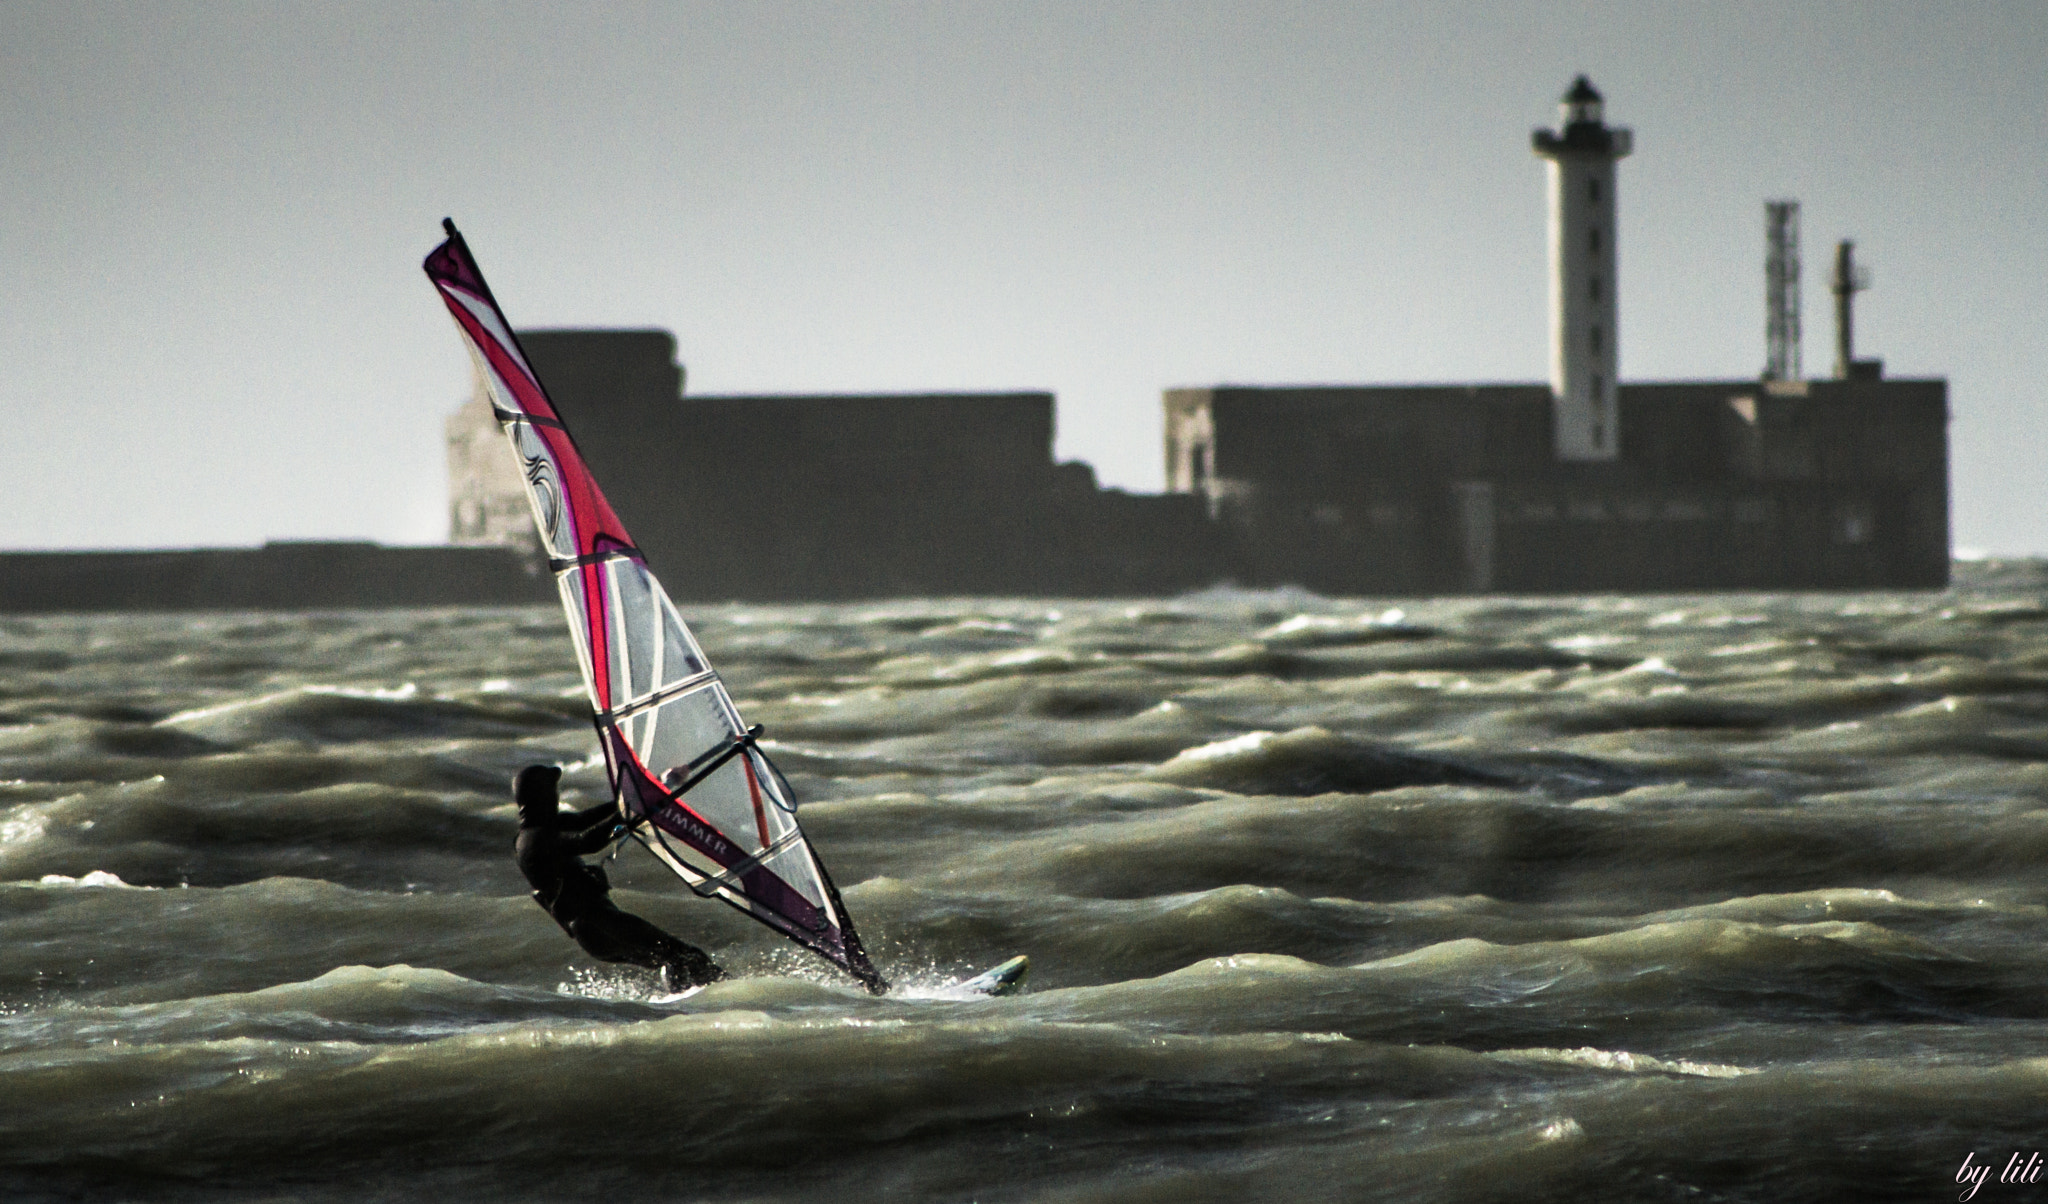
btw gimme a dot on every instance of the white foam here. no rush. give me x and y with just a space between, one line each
94 878
403 693
611 985
1247 743
1584 643
1336 625
1624 1062
20 831
1560 1130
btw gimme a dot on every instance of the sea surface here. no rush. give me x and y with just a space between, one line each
1701 898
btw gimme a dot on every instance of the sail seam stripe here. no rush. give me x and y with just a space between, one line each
509 416
730 876
560 564
658 697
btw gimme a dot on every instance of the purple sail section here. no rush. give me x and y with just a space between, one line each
767 896
451 262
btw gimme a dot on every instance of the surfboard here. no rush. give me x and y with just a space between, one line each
1005 979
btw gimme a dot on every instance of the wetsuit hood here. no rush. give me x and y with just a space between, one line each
534 791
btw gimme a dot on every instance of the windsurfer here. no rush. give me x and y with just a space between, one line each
550 852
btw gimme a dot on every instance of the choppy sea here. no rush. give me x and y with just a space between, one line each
1708 898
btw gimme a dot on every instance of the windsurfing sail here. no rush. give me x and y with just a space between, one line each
688 774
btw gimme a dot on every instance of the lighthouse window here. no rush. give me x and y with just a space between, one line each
1593 191
1593 240
1593 337
1593 287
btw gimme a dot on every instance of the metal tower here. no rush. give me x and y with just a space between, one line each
1781 291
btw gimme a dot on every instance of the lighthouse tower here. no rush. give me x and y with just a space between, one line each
1582 277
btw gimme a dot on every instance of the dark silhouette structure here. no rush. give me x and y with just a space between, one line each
832 496
1451 489
1825 484
1849 278
277 576
1343 489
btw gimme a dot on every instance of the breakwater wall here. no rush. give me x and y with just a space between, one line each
276 576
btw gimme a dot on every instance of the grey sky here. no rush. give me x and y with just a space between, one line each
216 331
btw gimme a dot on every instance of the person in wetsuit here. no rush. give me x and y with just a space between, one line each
550 852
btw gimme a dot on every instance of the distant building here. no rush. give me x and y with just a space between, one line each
1586 483
1451 489
835 496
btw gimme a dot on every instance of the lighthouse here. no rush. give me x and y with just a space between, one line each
1580 158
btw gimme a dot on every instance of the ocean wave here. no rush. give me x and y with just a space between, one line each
1446 906
1310 761
320 714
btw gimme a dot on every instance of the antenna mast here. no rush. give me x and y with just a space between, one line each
1781 291
1850 278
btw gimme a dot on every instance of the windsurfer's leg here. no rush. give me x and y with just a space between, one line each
611 935
682 964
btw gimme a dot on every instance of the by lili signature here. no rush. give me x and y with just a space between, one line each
2020 1168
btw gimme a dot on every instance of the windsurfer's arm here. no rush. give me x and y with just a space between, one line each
589 830
577 821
